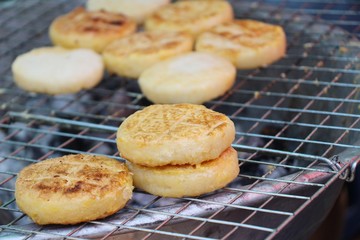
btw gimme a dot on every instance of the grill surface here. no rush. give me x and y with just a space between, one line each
297 125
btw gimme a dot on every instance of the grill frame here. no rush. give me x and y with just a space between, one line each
324 169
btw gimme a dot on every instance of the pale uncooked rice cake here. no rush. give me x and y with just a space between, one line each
55 70
188 78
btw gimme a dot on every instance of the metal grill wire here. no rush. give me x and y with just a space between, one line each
291 117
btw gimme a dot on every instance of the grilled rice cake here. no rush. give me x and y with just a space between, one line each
190 16
174 134
137 10
246 43
85 29
55 70
187 180
73 189
130 56
188 78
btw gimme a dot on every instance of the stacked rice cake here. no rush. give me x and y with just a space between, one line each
179 150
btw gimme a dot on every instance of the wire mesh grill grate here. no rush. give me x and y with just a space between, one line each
291 118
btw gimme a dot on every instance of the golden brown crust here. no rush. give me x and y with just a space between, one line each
187 180
174 134
190 16
246 43
72 175
83 29
49 191
130 56
137 10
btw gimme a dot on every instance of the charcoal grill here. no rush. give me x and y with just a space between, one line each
297 126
